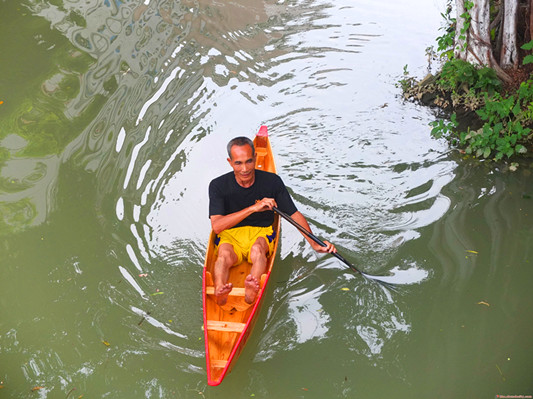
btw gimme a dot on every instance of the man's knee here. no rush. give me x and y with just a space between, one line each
259 249
226 255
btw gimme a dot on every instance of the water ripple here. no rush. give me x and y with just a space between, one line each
171 83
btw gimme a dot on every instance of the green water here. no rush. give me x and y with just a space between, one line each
113 120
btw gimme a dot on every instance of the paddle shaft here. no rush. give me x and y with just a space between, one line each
313 237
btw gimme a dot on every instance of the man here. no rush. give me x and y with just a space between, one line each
240 209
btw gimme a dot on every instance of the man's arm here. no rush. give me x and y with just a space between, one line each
220 223
300 219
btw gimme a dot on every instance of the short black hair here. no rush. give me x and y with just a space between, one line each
240 141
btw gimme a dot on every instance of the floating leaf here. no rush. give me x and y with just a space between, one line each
157 293
500 370
106 343
472 252
69 392
483 303
36 388
345 289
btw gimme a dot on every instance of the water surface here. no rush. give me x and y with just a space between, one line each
114 119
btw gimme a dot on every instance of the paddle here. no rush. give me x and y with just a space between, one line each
320 242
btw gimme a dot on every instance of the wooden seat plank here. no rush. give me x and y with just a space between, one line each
225 326
220 364
236 291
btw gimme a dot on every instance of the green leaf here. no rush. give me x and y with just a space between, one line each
520 149
527 46
486 153
516 109
528 59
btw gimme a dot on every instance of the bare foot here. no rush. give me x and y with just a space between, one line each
251 288
221 293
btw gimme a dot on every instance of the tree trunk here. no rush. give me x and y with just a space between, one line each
509 52
473 44
531 20
479 47
460 36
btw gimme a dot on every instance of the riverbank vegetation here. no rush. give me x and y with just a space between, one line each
485 85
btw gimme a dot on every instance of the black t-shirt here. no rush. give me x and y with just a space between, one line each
226 196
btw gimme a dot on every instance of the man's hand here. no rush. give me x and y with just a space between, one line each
329 248
266 204
220 223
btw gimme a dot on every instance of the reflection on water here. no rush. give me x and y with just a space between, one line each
136 102
42 110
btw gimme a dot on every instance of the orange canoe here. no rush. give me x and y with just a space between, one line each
228 327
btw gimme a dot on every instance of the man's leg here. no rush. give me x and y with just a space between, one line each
259 261
225 259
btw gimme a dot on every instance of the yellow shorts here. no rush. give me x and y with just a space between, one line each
242 239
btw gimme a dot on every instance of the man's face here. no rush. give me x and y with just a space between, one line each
243 163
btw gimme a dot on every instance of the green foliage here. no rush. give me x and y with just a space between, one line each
501 138
528 59
445 42
487 81
525 99
442 128
504 131
456 74
467 22
407 81
507 119
528 46
461 76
